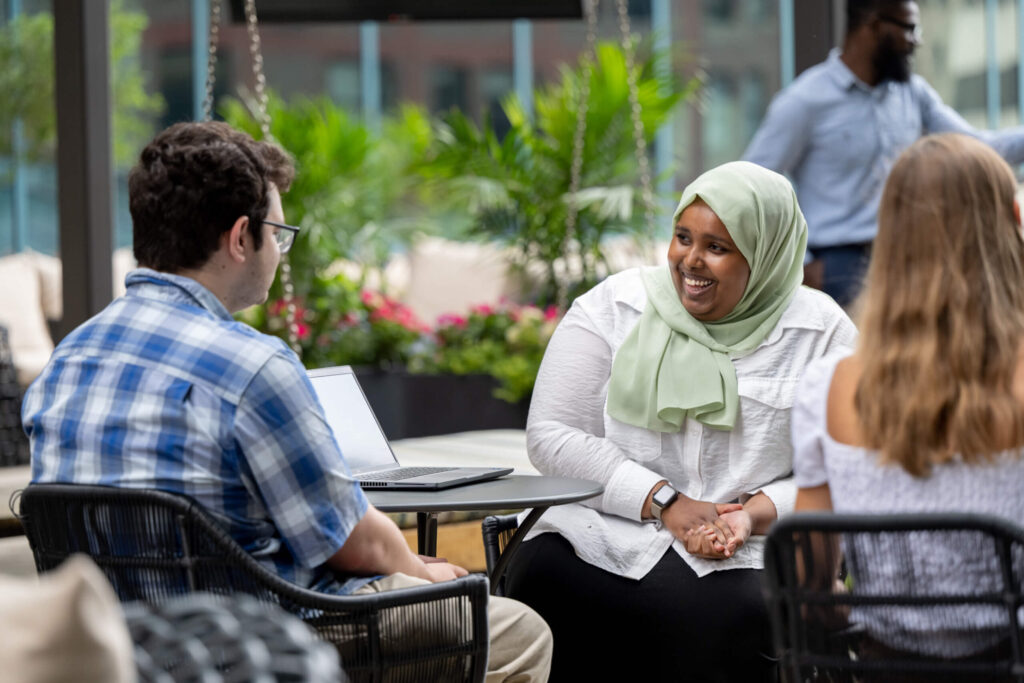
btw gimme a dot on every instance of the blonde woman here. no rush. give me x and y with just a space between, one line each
927 415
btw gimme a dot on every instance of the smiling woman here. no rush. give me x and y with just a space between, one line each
672 386
709 272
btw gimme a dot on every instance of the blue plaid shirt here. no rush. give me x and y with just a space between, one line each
164 389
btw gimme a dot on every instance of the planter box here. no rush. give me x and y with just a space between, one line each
409 405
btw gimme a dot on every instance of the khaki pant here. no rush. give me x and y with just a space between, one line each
520 647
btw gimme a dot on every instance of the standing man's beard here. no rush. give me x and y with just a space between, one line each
890 63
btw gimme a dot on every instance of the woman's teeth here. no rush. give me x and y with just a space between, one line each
693 282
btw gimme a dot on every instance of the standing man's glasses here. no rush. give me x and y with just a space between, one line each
913 30
285 236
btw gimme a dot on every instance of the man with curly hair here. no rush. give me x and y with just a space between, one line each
164 389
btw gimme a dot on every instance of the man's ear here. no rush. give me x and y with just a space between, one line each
237 239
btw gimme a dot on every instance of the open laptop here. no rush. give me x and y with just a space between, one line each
366 449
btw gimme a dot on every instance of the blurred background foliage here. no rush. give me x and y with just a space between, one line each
516 187
27 84
361 195
358 194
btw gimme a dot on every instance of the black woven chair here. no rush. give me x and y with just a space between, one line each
13 442
903 581
154 546
497 531
201 638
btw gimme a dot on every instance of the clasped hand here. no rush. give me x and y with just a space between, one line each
714 531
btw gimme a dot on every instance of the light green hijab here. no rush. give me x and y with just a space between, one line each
671 365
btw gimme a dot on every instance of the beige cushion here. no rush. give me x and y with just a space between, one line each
16 557
21 312
451 277
67 626
48 270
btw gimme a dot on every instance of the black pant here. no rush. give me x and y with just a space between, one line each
668 626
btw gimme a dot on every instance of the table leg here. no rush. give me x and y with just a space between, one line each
426 533
510 549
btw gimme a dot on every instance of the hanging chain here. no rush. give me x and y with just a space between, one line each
211 59
640 140
579 137
256 57
263 118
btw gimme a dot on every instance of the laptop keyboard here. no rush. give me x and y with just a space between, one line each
403 473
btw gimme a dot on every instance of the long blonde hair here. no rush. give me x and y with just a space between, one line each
942 314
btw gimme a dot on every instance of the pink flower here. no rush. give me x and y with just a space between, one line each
301 330
483 309
371 299
451 320
551 312
277 307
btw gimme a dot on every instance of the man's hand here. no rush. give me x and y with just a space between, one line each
686 514
444 571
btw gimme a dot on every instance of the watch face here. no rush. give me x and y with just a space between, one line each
664 496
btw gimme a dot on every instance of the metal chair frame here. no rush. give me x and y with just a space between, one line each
801 557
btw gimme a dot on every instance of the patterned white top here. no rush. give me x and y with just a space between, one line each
924 563
570 434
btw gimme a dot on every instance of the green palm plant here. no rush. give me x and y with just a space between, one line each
357 194
516 188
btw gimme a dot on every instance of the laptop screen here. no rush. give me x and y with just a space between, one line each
351 418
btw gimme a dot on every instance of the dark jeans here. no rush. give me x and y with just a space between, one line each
668 626
844 269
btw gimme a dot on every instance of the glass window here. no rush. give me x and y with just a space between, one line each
495 85
448 88
341 81
739 84
954 57
28 136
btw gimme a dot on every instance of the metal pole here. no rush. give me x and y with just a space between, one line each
84 157
369 72
787 42
200 34
522 63
664 145
992 95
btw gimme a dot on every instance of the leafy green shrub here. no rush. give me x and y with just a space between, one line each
506 342
516 187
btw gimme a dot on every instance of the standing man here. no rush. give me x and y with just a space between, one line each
164 389
838 128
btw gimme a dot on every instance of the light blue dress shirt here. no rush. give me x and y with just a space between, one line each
837 138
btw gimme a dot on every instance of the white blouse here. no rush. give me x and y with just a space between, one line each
859 484
569 432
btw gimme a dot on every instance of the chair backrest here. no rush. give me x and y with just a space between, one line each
497 531
155 546
152 545
13 443
923 595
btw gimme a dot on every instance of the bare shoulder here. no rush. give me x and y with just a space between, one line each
842 420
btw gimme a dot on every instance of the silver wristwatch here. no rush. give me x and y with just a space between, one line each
661 499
